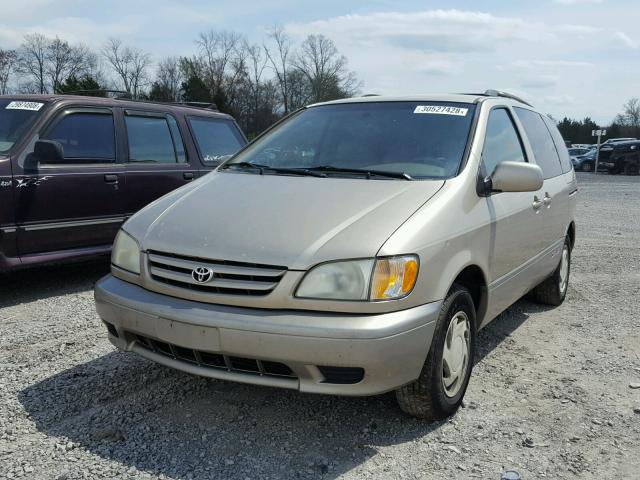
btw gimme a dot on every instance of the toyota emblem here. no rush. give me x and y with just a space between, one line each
202 274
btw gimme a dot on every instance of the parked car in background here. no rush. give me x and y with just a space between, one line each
354 249
624 158
73 168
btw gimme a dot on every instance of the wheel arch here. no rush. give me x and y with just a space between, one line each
473 278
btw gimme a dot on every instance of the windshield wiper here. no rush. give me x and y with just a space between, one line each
369 173
263 168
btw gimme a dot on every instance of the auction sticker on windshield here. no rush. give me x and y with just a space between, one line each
441 110
17 105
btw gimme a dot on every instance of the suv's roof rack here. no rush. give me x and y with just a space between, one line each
123 95
499 93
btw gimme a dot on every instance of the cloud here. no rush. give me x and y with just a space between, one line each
539 81
453 31
576 2
626 40
544 64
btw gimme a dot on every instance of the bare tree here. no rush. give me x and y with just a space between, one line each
257 62
325 69
631 113
130 65
217 53
279 60
64 61
166 86
33 59
8 61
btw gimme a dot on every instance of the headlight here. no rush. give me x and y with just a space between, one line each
126 253
338 280
370 279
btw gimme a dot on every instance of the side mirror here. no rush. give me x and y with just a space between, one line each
516 177
48 151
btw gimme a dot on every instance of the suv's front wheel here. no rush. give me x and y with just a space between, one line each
438 392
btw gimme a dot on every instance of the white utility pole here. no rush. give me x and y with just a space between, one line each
598 133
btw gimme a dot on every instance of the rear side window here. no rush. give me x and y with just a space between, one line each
217 139
544 149
85 137
561 146
151 140
501 142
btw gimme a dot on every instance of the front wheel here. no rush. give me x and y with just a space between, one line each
444 378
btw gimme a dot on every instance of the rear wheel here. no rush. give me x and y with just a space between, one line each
631 168
439 390
554 289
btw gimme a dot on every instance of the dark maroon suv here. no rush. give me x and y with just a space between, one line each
73 168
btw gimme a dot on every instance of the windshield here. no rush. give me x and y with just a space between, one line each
16 116
420 139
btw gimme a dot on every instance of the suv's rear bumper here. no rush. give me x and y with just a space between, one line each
390 347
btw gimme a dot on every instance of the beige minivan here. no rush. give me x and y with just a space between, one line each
355 248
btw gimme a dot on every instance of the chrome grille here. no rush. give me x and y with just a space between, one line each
229 277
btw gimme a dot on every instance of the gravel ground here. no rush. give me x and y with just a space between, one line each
552 395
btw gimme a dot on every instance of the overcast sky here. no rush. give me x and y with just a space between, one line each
568 57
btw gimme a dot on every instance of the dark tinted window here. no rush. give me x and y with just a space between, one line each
150 140
561 146
423 139
216 139
85 137
544 150
501 142
16 117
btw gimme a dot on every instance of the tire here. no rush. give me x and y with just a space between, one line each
587 167
427 397
554 289
630 169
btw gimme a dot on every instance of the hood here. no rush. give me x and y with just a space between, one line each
290 221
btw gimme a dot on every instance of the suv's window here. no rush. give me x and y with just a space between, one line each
544 149
217 139
561 146
421 139
85 137
502 142
16 116
150 140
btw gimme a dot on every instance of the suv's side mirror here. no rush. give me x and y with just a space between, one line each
48 151
516 177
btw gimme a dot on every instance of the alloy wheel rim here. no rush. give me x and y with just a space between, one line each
564 269
455 354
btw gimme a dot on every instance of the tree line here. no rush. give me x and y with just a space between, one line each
625 124
257 83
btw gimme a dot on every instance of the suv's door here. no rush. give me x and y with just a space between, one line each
75 203
157 161
216 138
555 211
515 216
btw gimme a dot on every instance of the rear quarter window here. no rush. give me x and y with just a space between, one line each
544 149
217 139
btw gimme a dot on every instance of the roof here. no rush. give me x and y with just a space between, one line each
442 97
118 102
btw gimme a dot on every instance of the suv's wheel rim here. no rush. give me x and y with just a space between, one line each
455 355
564 269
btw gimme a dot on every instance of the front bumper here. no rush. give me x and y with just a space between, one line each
391 348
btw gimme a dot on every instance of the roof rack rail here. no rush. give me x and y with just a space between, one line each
498 93
205 105
96 90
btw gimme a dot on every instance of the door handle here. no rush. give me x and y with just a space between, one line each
537 203
547 200
187 175
111 178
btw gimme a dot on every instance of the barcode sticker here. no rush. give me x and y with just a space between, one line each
441 110
20 105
